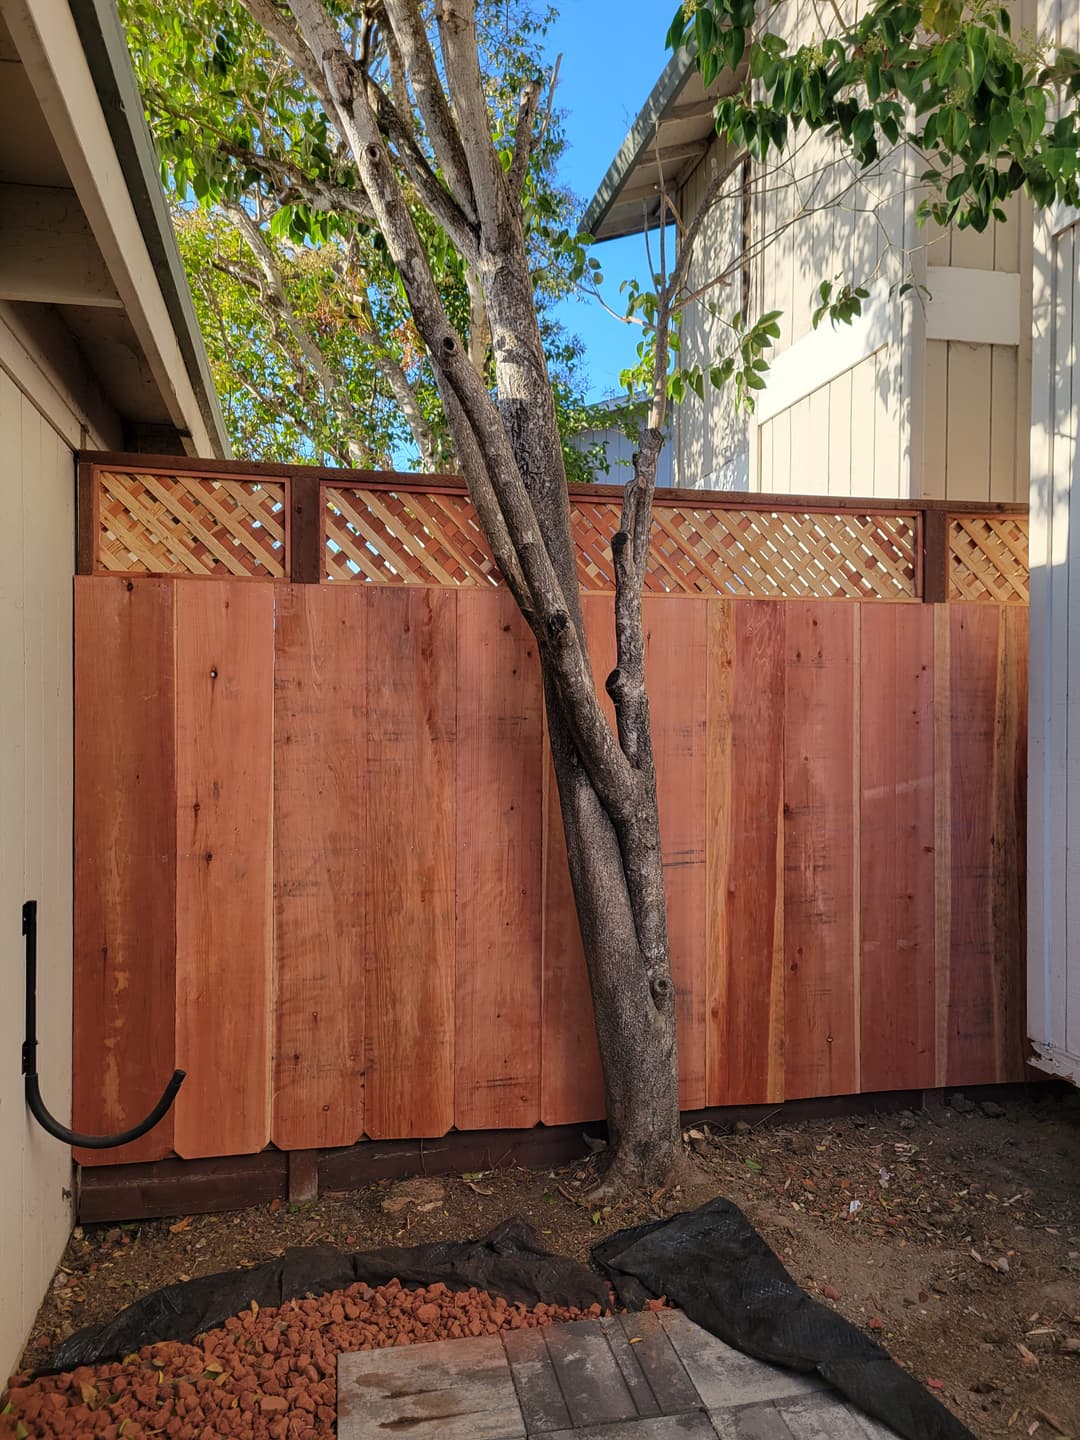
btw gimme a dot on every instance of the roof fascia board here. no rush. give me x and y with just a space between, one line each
642 133
57 63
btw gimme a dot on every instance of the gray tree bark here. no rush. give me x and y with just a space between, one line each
511 455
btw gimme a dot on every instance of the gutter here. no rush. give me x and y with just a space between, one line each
109 62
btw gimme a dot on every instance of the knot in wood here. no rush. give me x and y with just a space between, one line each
613 683
619 541
662 989
557 623
449 345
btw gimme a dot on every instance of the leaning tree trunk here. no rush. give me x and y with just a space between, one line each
511 456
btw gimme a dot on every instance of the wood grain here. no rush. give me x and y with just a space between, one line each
410 664
896 748
572 1084
224 769
746 772
971 1044
1009 899
820 897
125 862
676 648
499 786
319 866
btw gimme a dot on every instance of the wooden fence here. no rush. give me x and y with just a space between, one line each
319 861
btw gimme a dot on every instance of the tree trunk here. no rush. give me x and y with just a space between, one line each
635 1029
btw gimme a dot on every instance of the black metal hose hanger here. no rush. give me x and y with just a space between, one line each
29 1064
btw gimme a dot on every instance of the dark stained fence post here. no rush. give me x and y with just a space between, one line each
935 556
86 487
306 537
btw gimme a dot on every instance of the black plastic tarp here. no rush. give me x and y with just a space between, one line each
713 1264
510 1261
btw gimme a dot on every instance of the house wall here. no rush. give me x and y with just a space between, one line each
926 394
1054 756
42 422
619 449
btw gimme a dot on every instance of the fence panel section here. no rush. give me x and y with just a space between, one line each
325 873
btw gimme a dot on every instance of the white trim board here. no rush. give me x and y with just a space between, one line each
827 353
978 307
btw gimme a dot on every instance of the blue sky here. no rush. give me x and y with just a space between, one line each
613 54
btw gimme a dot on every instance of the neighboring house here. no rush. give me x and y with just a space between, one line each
926 395
613 434
98 349
1054 757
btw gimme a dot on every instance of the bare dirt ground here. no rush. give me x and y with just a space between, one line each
952 1235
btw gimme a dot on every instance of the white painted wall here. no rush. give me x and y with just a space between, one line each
619 449
40 426
1054 717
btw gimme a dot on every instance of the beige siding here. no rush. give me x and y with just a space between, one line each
1054 755
36 564
908 416
710 439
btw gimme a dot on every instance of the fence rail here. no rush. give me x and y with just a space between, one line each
160 517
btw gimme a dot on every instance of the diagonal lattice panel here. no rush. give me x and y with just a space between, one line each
988 558
187 525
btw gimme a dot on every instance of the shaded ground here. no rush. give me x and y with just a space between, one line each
955 1238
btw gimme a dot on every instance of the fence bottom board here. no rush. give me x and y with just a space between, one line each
159 1188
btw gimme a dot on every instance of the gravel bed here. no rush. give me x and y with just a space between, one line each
265 1373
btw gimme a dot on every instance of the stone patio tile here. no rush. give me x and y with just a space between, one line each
725 1377
447 1390
693 1425
828 1417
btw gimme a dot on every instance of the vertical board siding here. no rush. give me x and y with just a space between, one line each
820 896
409 671
125 862
339 877
896 828
224 900
745 839
499 819
319 866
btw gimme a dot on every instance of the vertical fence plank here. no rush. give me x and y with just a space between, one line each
224 769
896 746
125 862
499 780
676 662
820 892
410 664
572 1086
975 663
1009 900
319 858
746 772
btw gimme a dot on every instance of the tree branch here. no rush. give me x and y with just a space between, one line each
523 138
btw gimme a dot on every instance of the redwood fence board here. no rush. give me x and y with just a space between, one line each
499 814
410 662
572 1087
125 862
320 721
676 660
821 1001
746 886
896 828
224 818
330 880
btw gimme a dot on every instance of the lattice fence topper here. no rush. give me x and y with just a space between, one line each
190 525
409 538
988 558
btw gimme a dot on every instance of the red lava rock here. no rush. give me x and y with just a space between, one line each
264 1373
874 1323
936 1384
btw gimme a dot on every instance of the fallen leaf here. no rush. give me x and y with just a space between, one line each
1051 1420
1027 1358
180 1226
